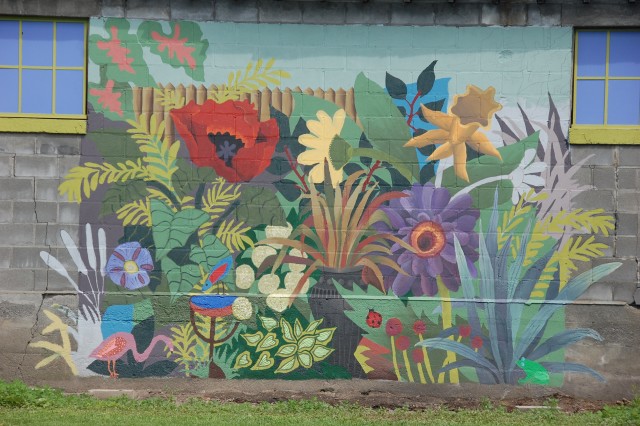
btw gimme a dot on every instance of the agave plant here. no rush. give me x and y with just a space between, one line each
338 235
496 301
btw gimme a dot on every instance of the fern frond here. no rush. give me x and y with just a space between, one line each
218 197
592 221
172 101
83 180
255 77
159 195
159 155
135 213
511 220
233 236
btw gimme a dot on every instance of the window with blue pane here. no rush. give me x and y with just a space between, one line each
607 78
42 69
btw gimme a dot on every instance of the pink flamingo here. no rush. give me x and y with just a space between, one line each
118 344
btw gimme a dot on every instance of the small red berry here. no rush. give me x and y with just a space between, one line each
417 355
402 343
419 327
374 319
464 330
394 327
476 342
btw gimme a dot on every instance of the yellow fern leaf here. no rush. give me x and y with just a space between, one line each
135 213
255 77
233 235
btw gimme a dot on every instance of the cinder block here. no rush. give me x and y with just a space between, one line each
604 177
627 272
17 280
28 258
413 14
628 201
620 14
46 211
192 10
47 189
6 165
236 11
280 12
66 163
623 292
513 14
24 212
16 189
147 9
323 13
68 213
458 14
629 155
40 166
628 178
12 143
6 212
626 246
636 296
595 155
58 145
113 8
368 13
596 199
5 257
545 15
490 15
626 223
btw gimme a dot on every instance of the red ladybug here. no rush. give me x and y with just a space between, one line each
374 319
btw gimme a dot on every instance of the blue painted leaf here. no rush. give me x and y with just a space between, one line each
460 349
561 340
561 367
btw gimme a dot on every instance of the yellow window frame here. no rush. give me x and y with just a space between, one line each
600 134
46 123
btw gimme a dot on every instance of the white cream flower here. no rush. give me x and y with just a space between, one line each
297 267
273 231
245 276
242 309
525 176
279 300
268 283
260 253
291 281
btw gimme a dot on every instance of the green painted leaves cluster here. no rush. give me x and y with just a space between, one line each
297 346
172 230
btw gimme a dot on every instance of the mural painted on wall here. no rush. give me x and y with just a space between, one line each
267 232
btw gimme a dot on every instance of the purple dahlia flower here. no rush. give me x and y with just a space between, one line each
428 219
129 266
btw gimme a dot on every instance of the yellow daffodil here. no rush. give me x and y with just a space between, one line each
324 132
468 113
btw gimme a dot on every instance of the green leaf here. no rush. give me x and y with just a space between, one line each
487 166
259 206
181 278
210 254
173 230
287 331
325 335
397 88
426 79
270 341
264 362
297 329
305 358
253 339
320 352
286 350
268 323
384 126
311 328
120 194
288 365
243 360
306 343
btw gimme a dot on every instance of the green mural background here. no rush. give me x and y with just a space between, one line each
289 201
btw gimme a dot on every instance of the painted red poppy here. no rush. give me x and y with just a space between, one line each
228 137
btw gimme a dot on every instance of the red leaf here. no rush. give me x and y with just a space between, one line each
175 46
108 99
117 51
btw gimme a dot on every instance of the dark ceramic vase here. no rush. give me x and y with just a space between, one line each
326 302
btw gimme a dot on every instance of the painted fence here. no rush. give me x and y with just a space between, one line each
236 230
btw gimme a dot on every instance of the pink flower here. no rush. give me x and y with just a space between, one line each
394 327
476 342
402 343
419 327
417 355
464 330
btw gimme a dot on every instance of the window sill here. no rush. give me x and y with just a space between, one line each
586 135
77 126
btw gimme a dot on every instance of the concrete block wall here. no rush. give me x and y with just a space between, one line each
32 213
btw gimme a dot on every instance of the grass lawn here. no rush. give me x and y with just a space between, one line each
20 405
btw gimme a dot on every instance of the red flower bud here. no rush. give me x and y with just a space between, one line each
402 343
464 330
419 327
476 342
394 327
417 355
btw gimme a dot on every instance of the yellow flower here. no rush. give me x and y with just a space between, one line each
468 112
324 132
